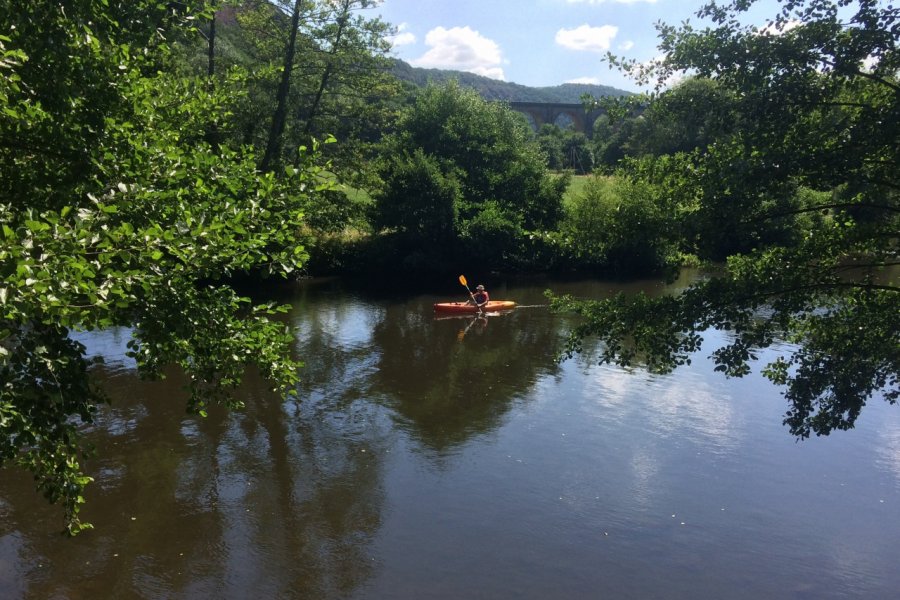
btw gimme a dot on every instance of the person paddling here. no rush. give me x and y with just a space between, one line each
480 298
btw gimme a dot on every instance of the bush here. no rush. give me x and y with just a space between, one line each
492 236
616 225
464 173
419 199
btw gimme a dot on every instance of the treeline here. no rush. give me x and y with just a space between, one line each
422 178
432 178
494 89
460 181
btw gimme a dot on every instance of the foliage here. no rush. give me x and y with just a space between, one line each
577 152
421 198
495 89
692 115
619 226
338 82
455 138
312 70
115 211
565 149
609 139
818 99
550 139
494 235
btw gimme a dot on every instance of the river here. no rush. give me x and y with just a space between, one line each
457 459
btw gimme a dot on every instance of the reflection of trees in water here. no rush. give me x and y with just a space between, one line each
283 498
444 380
275 501
448 384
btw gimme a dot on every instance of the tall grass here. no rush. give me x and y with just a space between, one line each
576 189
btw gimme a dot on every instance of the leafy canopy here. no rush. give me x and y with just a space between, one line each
817 97
478 165
115 211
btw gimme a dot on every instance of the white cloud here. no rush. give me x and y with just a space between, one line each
585 37
403 37
461 49
626 45
773 29
588 80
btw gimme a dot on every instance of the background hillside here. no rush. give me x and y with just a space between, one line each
493 89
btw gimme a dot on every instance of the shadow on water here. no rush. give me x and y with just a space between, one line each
468 372
282 498
444 380
278 500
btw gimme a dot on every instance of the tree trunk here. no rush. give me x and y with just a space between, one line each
212 130
323 82
273 146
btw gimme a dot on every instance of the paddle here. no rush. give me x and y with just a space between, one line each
462 332
462 280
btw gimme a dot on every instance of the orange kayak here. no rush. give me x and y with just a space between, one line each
466 308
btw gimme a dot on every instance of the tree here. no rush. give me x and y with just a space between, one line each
619 226
565 149
276 131
345 82
610 137
818 98
577 152
116 211
319 69
550 139
490 153
692 115
421 198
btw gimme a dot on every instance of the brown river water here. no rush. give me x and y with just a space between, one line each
457 459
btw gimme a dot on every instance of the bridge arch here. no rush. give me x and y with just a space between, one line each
557 113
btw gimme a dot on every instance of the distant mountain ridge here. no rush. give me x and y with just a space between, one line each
493 89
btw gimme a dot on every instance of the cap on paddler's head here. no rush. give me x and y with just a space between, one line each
480 287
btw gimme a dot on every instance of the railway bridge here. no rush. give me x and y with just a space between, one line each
562 115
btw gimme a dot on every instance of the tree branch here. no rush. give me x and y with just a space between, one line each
821 286
863 74
799 211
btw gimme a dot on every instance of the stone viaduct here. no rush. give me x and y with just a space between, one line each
563 115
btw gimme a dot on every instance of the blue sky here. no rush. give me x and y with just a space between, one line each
537 42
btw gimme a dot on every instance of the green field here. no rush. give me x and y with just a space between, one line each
576 187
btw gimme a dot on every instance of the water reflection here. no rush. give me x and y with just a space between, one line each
456 387
888 448
448 458
444 380
687 407
209 508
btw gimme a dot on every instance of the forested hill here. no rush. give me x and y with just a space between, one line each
493 89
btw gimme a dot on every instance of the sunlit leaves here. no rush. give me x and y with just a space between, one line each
801 197
116 211
474 162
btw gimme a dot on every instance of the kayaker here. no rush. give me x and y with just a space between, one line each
480 297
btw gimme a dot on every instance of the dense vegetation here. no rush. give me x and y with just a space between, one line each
463 179
152 152
122 203
794 179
